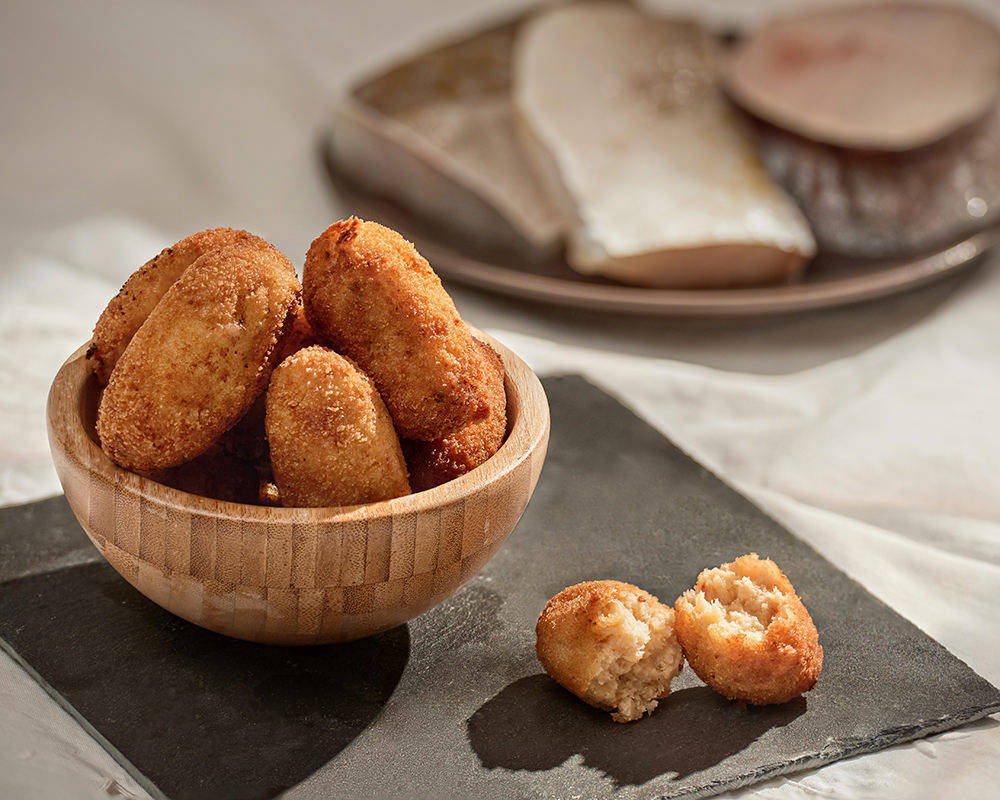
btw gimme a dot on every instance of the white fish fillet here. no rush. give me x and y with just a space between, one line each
656 176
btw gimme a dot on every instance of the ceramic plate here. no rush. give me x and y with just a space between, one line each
828 282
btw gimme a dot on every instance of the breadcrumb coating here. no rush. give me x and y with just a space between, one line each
371 296
746 633
434 463
200 359
612 645
268 494
332 440
128 309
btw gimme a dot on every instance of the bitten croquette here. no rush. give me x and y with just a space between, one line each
746 633
612 645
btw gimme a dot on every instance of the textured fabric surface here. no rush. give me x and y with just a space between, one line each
870 432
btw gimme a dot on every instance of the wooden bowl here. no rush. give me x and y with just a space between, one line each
295 575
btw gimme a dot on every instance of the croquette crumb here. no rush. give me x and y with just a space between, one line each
612 645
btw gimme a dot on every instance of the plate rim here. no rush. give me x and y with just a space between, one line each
451 263
787 298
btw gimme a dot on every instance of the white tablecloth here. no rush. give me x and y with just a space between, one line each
870 432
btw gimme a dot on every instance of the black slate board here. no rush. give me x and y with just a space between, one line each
454 705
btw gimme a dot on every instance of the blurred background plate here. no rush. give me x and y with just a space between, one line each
828 281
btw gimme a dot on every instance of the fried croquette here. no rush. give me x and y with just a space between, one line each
127 310
612 645
746 634
200 359
434 463
372 297
332 440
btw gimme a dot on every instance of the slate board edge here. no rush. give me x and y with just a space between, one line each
133 772
888 738
898 736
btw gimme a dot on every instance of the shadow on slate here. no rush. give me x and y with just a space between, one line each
206 716
41 536
200 715
553 725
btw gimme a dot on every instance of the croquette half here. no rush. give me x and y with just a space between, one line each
746 633
611 644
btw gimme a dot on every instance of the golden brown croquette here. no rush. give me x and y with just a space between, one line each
612 645
332 440
127 310
200 359
745 633
434 463
372 297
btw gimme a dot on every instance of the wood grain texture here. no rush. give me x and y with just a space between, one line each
295 575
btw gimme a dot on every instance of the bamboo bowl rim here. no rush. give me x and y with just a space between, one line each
72 398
